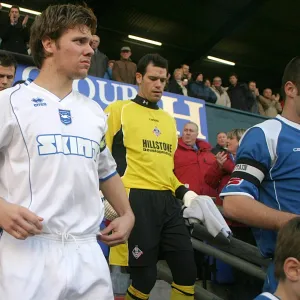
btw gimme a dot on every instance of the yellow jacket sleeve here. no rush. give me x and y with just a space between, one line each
113 112
175 182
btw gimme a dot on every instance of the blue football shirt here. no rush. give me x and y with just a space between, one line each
268 170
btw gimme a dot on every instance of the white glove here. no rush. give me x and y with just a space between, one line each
189 197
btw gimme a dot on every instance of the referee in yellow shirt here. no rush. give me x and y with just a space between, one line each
143 138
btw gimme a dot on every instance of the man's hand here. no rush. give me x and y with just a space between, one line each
185 82
221 158
119 228
276 97
24 23
19 221
256 92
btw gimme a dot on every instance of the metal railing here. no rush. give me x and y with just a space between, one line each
238 254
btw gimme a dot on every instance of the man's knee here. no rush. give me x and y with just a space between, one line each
183 267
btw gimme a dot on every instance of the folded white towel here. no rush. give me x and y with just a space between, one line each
203 209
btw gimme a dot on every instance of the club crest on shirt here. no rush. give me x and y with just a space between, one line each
137 252
65 116
235 181
156 131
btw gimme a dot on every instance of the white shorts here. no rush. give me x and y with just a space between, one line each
53 268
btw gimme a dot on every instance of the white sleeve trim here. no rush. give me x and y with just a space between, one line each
270 296
236 194
271 129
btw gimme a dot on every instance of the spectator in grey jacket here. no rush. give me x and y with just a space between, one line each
197 89
257 107
222 96
270 103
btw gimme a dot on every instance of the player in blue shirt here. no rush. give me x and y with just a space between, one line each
287 264
266 296
264 189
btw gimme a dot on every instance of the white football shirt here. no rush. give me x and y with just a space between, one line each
52 155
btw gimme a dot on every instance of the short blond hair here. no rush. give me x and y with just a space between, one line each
236 133
177 70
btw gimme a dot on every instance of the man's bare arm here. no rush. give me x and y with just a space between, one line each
253 213
114 191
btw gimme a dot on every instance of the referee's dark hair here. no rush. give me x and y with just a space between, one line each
287 247
155 59
292 74
7 60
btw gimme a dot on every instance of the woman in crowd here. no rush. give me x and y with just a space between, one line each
219 174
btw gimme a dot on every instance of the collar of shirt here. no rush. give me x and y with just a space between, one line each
144 102
232 157
195 147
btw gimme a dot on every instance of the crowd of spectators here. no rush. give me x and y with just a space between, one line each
237 95
14 37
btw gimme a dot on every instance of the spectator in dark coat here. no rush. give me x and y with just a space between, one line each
185 71
240 96
13 32
99 60
221 143
197 89
177 85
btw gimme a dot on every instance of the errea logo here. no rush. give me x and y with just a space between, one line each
38 102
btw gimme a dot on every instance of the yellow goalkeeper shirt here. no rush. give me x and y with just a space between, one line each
142 138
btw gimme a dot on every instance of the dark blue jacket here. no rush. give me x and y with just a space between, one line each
197 89
240 97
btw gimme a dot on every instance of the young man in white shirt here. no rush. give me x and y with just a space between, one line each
52 156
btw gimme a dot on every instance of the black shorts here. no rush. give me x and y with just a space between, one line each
159 227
